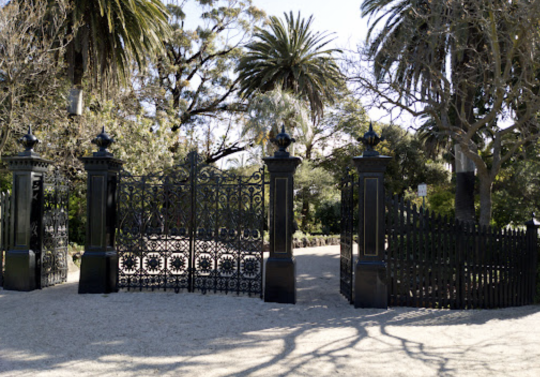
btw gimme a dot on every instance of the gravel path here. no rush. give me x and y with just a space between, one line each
56 332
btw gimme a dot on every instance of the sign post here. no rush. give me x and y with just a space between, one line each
422 191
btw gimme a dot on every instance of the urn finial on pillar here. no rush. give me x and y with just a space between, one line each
103 141
282 141
28 141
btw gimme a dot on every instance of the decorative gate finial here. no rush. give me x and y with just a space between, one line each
282 141
103 141
370 141
28 141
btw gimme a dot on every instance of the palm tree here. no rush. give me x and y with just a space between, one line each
428 65
109 35
290 56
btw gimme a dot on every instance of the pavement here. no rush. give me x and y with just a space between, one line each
57 332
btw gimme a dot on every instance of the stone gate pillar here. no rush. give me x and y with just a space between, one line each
370 287
99 263
22 272
280 279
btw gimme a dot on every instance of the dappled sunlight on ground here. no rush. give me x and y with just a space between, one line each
57 332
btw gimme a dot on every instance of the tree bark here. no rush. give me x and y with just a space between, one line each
485 187
464 199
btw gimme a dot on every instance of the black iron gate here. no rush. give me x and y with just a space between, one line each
192 227
347 233
52 260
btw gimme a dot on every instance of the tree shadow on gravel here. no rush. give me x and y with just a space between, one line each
140 333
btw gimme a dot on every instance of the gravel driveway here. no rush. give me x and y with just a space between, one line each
57 332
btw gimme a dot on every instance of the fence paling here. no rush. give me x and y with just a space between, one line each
434 262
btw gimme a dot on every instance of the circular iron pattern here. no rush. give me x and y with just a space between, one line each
177 264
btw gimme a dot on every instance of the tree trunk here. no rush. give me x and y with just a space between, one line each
464 199
486 185
306 215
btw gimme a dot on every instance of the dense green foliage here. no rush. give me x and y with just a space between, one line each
222 95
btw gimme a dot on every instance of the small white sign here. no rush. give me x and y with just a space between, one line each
422 189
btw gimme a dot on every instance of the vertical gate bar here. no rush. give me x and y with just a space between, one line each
504 262
489 267
444 245
531 257
420 258
395 250
240 228
2 237
143 247
390 263
261 225
515 270
428 261
520 266
499 271
414 254
512 289
192 232
404 253
456 267
486 245
408 254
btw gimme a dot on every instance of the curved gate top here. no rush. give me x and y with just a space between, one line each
191 227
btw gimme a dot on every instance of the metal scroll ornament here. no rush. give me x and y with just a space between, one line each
191 227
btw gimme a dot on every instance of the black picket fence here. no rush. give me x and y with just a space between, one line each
437 262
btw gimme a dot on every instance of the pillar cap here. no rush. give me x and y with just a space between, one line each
370 141
282 141
103 141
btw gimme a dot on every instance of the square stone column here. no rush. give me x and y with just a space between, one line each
99 263
22 269
280 276
370 281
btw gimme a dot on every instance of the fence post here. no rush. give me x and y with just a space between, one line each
99 263
22 270
370 283
532 248
280 283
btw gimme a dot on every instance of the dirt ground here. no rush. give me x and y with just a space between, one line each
57 332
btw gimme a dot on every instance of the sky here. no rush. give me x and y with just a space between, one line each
341 17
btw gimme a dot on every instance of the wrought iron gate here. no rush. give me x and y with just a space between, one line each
192 227
52 260
347 233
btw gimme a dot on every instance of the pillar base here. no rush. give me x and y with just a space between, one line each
20 273
370 289
99 272
280 282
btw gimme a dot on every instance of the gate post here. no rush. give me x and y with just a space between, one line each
370 286
280 280
99 263
22 259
